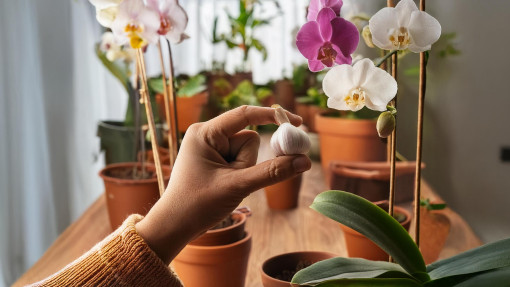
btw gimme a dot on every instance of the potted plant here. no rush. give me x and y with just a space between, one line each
242 36
278 271
308 106
246 93
488 265
435 228
192 96
219 257
371 180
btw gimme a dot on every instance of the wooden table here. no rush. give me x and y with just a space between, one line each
274 232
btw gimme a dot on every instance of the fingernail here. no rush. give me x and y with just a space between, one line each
301 164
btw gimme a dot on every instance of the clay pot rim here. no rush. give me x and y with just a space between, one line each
357 127
247 237
397 209
264 274
219 230
106 178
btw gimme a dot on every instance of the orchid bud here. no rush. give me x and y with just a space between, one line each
385 124
288 139
367 36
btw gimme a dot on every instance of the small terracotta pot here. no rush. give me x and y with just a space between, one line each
434 230
223 236
129 196
348 140
189 109
214 266
371 180
361 247
285 194
286 264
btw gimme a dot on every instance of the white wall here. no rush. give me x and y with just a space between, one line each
467 115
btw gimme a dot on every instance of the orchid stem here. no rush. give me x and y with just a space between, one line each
144 92
419 140
386 57
173 103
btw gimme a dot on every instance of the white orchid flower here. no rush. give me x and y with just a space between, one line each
404 27
354 87
135 24
106 11
114 51
173 19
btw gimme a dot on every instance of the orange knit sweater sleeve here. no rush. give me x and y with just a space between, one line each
121 259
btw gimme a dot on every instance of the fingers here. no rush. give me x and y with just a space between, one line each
244 149
237 119
272 171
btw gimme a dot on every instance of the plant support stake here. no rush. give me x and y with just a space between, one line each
173 103
144 92
166 97
421 104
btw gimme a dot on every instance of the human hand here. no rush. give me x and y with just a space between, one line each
214 171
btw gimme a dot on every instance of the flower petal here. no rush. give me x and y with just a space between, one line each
336 5
153 4
404 9
102 4
179 21
380 87
341 58
324 19
345 36
313 10
381 24
338 82
424 29
106 16
337 104
315 65
309 40
361 71
151 22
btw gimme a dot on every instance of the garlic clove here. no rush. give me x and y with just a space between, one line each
289 140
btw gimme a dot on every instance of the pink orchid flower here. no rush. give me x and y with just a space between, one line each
327 40
317 5
173 19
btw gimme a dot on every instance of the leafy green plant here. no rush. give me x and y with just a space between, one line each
242 30
186 86
483 266
245 94
314 96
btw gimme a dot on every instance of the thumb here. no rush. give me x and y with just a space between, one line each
272 171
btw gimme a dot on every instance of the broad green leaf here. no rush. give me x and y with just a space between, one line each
372 282
376 224
498 277
486 257
341 268
193 86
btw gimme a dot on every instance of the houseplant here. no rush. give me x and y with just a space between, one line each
488 265
192 96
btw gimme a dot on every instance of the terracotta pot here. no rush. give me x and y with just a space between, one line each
286 265
284 94
434 230
371 180
223 236
189 109
348 140
214 266
308 113
361 247
128 196
285 194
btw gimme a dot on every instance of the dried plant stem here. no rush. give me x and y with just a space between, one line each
144 92
166 97
393 142
419 140
139 138
173 103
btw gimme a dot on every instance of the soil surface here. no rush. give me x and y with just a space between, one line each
131 173
286 275
228 221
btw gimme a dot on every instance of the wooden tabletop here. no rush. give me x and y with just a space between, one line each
274 232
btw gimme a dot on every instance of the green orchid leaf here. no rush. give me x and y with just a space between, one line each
490 256
372 282
498 277
345 268
376 224
193 86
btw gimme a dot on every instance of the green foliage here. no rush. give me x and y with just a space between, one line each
314 97
432 206
245 94
118 70
242 29
186 87
488 265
